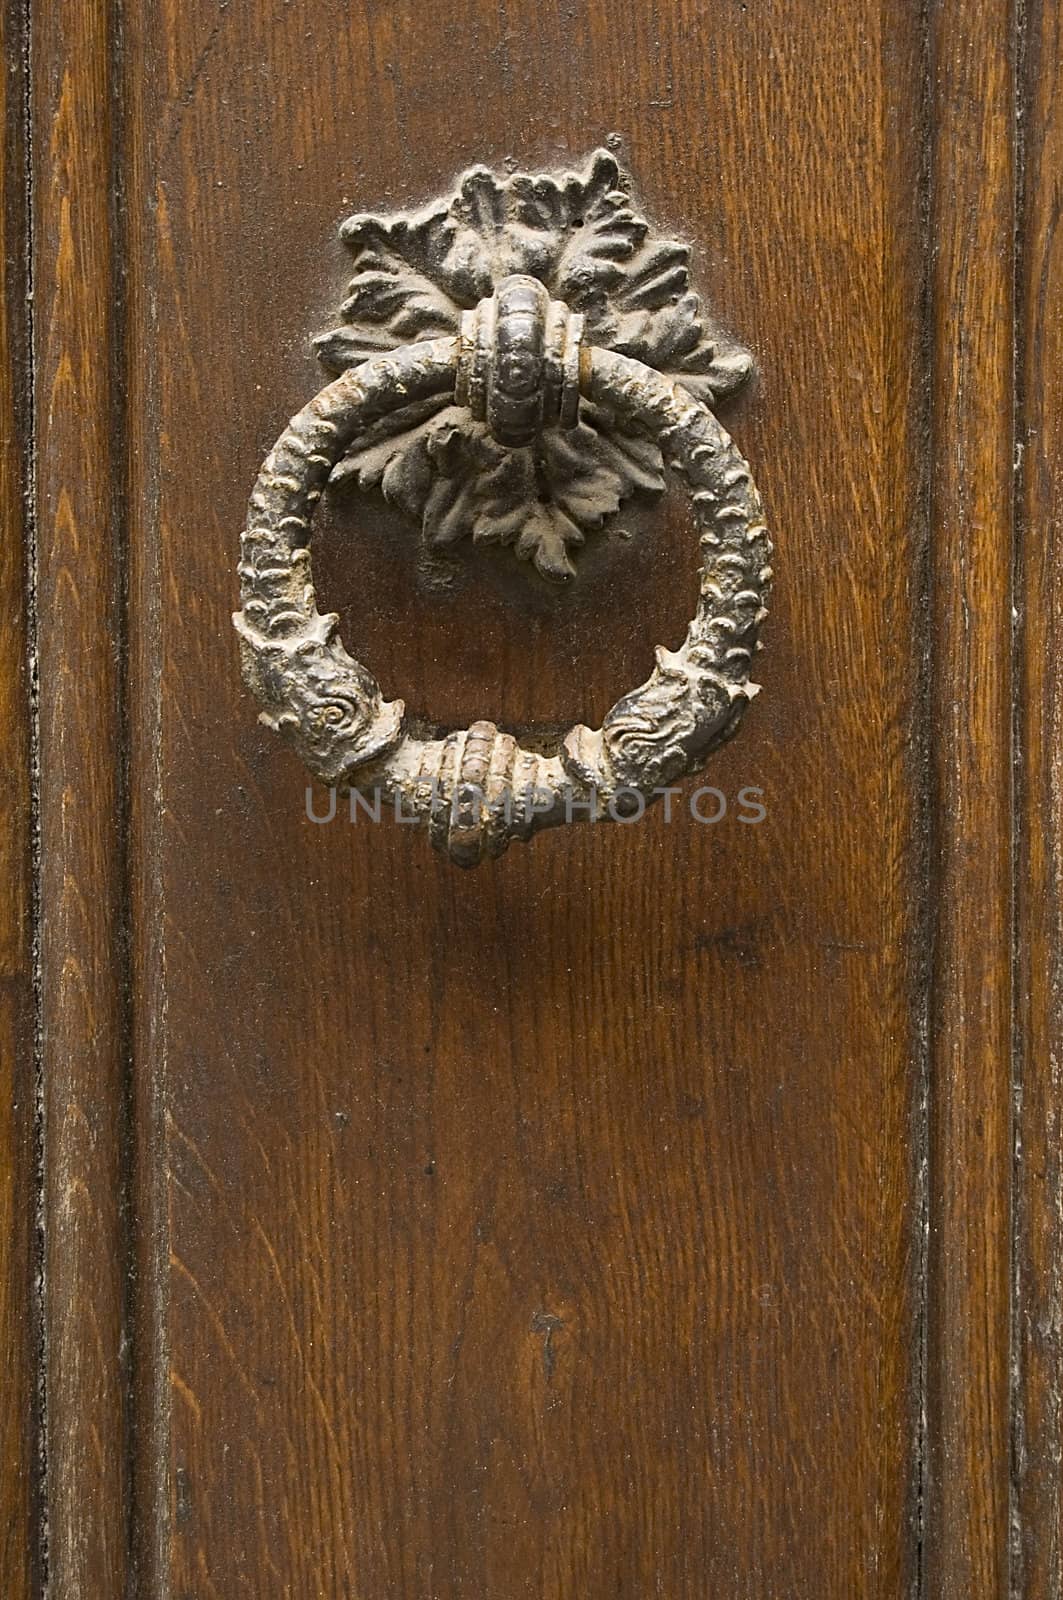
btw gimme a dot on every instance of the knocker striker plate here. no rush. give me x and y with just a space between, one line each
546 363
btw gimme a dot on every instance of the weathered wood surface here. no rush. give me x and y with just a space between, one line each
971 460
634 1216
84 994
549 1231
19 1330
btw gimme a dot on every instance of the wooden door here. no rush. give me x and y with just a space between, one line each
666 1209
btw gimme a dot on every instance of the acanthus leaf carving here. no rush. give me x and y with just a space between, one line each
581 235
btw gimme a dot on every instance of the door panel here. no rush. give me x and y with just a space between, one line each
547 1229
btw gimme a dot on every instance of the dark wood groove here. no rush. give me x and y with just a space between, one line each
923 785
152 1382
20 1520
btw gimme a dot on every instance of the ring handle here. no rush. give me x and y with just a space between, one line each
520 363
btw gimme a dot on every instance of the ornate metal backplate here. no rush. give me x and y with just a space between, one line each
583 237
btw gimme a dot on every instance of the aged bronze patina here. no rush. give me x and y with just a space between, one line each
523 377
421 275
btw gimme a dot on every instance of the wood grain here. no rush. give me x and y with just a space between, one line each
972 229
18 1324
84 1002
547 1231
635 1216
1038 1293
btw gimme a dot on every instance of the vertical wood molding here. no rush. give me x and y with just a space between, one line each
1039 858
972 390
18 1470
82 871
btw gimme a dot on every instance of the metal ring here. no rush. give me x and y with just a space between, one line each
476 789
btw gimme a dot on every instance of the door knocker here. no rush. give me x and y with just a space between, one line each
512 365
